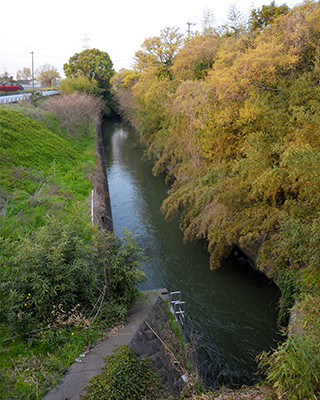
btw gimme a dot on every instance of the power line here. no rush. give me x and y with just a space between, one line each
23 54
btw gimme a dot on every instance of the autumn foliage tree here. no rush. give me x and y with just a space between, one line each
235 122
47 74
262 17
159 51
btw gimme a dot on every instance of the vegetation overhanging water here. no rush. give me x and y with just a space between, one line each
231 312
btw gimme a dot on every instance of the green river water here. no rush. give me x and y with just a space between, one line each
232 311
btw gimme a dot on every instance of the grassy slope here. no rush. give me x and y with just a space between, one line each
40 171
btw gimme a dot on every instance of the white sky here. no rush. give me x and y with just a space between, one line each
55 30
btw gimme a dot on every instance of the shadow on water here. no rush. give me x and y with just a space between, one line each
231 311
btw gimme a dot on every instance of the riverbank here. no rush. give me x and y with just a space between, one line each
63 282
148 332
101 205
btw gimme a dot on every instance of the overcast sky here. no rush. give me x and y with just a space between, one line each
56 30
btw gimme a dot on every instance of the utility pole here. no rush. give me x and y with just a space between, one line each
189 27
32 72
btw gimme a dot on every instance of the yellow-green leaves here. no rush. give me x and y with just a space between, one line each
244 105
159 51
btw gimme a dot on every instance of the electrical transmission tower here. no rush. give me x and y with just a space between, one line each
86 42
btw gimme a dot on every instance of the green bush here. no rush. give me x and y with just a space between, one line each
293 369
124 377
65 272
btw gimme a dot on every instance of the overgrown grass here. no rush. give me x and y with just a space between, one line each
41 171
293 368
29 369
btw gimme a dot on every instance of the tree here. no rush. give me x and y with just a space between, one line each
262 17
92 63
122 83
24 74
235 26
46 74
159 51
5 77
91 71
208 22
196 58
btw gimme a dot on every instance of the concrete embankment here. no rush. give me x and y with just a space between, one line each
101 204
146 331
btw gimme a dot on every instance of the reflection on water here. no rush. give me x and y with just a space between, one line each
232 310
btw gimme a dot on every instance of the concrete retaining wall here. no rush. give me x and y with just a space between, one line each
155 339
101 197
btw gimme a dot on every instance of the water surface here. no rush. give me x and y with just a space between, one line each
232 311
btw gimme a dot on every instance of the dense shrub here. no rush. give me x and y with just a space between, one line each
63 267
11 88
79 84
294 367
75 112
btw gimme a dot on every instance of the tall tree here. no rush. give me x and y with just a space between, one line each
236 23
46 74
92 63
208 22
91 71
24 74
159 51
262 17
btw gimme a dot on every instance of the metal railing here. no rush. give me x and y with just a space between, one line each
13 98
177 307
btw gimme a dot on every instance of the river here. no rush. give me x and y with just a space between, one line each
231 312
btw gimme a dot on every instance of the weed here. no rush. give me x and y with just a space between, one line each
75 112
294 367
125 377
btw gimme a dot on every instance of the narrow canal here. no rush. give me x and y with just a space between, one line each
232 311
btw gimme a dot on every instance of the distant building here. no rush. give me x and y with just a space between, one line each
25 83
